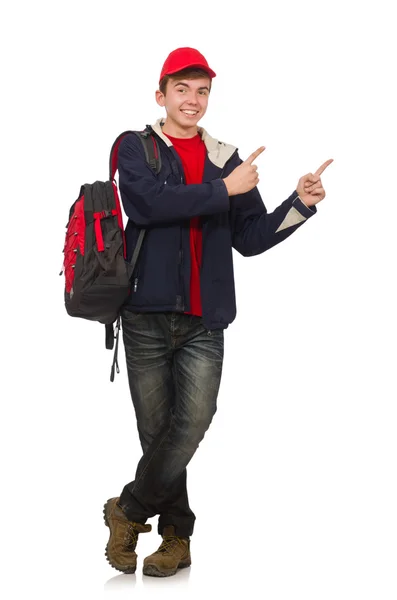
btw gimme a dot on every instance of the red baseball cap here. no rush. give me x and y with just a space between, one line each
181 58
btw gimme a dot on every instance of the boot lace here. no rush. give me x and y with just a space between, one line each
169 543
130 538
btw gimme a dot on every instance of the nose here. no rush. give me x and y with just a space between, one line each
191 98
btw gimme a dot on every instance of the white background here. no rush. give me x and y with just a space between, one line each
294 484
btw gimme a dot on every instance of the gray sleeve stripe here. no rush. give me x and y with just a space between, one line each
293 217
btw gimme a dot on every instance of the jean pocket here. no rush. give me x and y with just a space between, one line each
129 315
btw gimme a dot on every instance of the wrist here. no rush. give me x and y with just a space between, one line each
225 181
305 203
302 207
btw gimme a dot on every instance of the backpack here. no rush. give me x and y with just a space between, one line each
97 274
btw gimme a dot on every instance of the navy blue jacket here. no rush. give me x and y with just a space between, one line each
164 205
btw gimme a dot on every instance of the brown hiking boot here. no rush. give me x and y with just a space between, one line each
173 554
120 549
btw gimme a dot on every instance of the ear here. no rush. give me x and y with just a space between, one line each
160 98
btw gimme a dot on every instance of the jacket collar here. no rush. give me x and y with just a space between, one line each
217 152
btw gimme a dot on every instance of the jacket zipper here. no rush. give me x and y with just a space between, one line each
181 299
220 177
180 247
136 280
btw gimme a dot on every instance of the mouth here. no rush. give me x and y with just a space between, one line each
190 113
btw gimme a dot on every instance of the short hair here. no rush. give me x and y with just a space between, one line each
188 73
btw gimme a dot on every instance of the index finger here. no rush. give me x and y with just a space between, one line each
253 156
324 166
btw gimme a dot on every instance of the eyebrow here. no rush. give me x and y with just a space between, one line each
204 87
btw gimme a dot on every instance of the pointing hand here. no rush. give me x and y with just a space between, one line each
244 177
310 188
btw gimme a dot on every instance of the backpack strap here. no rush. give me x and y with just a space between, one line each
151 149
115 363
152 152
153 158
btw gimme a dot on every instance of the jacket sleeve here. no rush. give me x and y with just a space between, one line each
254 230
149 200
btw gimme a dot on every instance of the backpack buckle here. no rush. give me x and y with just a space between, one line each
104 214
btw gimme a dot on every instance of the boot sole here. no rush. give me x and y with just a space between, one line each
124 569
154 571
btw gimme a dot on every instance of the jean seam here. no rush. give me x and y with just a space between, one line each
153 455
163 438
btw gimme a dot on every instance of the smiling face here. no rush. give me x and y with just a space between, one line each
185 101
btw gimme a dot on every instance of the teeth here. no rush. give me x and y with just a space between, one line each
190 112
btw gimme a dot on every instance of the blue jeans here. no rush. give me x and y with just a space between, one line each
174 370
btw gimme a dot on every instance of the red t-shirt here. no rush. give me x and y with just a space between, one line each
192 152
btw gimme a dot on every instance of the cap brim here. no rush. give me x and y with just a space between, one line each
210 72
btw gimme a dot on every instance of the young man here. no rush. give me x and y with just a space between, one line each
203 203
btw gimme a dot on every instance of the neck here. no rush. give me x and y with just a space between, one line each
174 129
